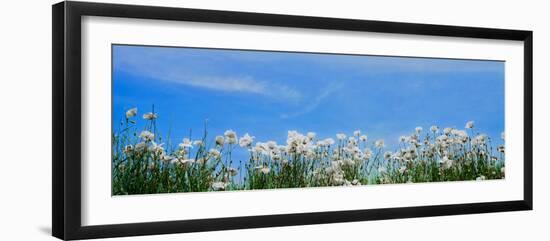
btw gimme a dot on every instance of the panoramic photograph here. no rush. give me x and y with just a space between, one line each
202 120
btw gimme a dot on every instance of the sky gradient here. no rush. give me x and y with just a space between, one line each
268 93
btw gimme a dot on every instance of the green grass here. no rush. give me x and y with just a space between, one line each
140 165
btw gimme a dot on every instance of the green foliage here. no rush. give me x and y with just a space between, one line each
142 166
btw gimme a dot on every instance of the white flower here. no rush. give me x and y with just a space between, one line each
387 155
352 141
402 139
418 129
262 169
128 149
329 141
500 148
232 141
434 129
379 143
338 178
147 136
215 153
271 145
219 140
447 130
259 148
461 134
141 147
311 135
183 163
442 138
157 149
186 143
131 113
340 136
367 153
150 116
218 186
198 143
469 124
296 142
166 158
479 140
402 169
446 163
347 162
231 136
363 138
246 140
357 133
292 134
276 156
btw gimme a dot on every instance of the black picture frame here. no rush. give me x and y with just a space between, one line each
66 159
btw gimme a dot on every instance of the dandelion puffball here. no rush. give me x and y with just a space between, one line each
264 170
150 116
186 143
215 153
219 140
379 143
147 136
246 140
231 136
131 113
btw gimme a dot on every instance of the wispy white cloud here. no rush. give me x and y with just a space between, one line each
238 84
316 101
192 71
230 84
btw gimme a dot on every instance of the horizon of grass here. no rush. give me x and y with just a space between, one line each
142 164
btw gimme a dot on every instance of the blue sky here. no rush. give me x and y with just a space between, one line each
268 93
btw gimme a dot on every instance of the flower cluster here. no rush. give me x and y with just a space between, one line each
304 160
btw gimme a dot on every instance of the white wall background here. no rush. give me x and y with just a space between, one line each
25 122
